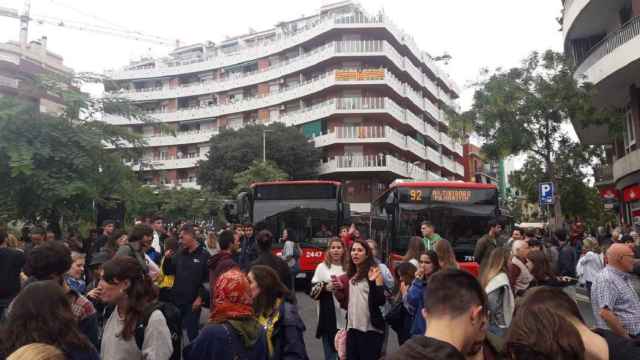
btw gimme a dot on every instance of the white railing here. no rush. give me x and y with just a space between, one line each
434 156
416 147
9 82
181 137
432 132
415 122
281 43
374 163
167 163
610 43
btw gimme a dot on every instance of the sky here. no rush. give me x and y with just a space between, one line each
476 33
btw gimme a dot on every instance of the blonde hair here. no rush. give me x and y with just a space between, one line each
446 255
75 256
37 351
327 257
498 262
591 244
212 240
13 242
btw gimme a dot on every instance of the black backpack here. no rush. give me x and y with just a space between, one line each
172 317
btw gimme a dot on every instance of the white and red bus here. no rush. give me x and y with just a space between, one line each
459 211
314 209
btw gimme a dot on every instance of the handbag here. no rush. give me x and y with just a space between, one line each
396 316
316 290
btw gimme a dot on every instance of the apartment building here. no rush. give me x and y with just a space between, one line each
21 63
477 168
358 86
602 37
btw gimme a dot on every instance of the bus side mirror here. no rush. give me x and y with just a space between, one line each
230 209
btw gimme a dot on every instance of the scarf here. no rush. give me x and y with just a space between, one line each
269 323
232 297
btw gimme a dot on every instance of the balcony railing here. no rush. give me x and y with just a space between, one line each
603 173
610 43
9 82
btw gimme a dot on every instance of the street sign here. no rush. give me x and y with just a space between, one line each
546 192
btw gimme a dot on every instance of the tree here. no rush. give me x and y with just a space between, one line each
189 204
258 172
524 109
233 151
55 166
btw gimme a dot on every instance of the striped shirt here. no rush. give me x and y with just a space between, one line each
612 290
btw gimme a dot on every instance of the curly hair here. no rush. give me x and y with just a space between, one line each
32 320
140 292
48 260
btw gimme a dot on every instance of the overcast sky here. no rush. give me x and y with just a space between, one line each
476 33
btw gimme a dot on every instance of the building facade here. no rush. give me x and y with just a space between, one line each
354 83
602 37
477 168
21 63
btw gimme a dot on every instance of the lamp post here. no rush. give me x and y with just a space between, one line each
264 144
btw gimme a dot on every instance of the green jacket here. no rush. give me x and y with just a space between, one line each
430 242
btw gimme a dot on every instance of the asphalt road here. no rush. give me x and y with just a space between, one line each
308 312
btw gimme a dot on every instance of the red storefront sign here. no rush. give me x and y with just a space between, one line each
632 193
609 192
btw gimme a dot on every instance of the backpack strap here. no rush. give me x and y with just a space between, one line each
144 321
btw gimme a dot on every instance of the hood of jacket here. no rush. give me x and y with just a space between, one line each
218 259
426 348
248 329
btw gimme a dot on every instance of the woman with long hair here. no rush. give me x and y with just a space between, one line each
330 316
128 288
75 275
495 281
233 332
361 292
117 239
548 325
397 316
414 301
277 313
212 245
41 313
590 264
414 250
542 273
291 252
446 255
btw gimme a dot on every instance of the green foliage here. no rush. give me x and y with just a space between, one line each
56 166
523 110
189 204
258 172
233 151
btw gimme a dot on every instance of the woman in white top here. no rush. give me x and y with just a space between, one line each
129 290
331 316
590 264
291 252
361 292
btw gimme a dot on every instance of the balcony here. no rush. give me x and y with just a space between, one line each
626 165
364 163
603 174
361 135
181 138
168 163
617 50
283 42
9 82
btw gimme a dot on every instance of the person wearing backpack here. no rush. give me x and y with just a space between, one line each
291 253
139 241
136 326
234 331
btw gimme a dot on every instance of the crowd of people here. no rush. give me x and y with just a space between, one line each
164 292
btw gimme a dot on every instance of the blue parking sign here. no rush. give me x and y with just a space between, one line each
546 193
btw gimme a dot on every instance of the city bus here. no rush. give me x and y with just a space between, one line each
314 209
459 212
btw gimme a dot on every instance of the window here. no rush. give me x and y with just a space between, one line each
630 131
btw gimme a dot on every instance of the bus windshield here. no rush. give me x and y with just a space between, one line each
311 225
461 231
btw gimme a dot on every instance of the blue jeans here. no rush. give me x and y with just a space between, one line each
330 352
190 321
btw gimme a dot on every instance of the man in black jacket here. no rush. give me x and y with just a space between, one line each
456 301
567 257
189 265
11 263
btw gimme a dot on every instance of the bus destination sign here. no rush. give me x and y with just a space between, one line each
447 195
